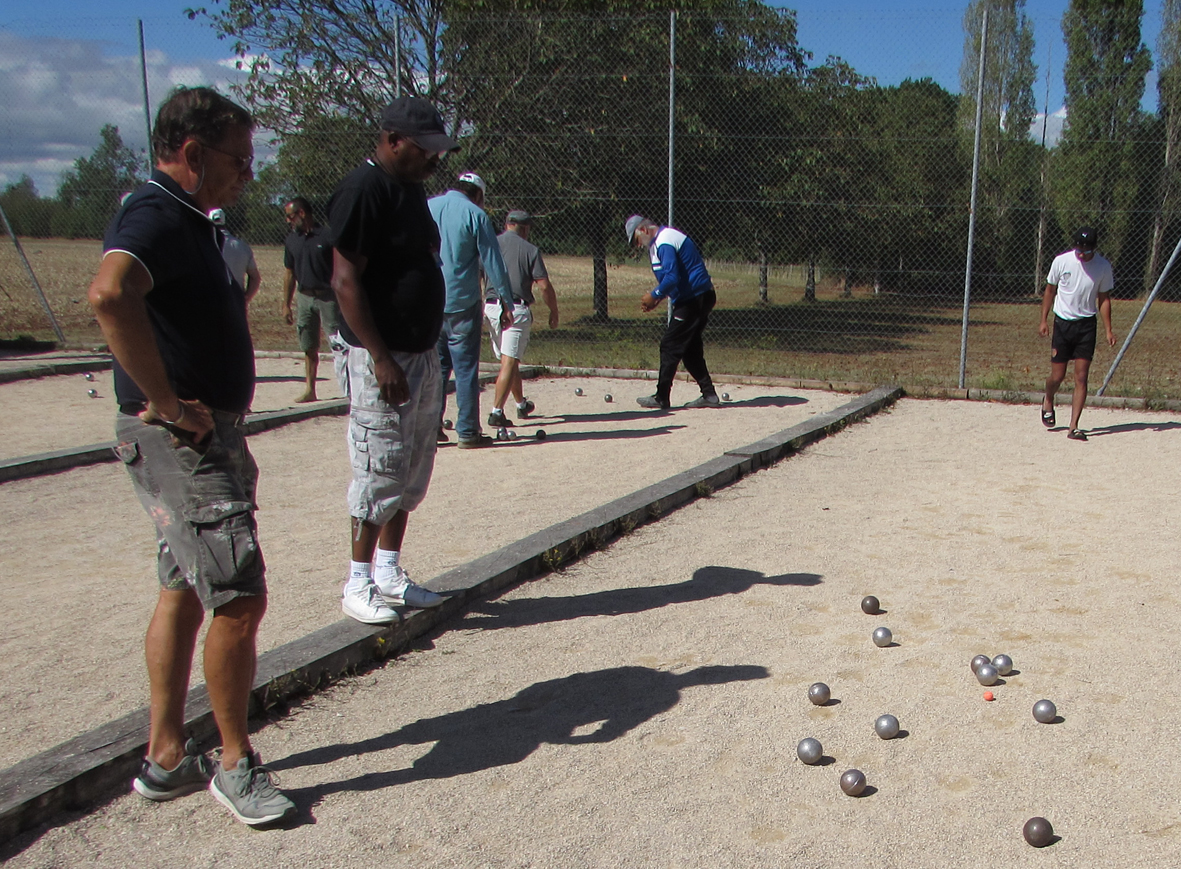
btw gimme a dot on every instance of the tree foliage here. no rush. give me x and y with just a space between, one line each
90 193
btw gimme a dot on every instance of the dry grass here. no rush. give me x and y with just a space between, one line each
864 338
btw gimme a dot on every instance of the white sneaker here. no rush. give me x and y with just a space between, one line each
398 590
368 606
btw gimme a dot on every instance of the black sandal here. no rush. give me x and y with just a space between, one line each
1048 418
1077 434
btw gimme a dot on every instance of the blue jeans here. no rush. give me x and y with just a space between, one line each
459 350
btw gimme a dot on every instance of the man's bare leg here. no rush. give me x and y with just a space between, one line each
311 366
367 536
1057 375
509 380
168 646
230 663
1082 368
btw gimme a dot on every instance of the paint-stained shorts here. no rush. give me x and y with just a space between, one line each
201 499
391 447
1073 339
514 340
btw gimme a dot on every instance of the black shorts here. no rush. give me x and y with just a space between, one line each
1073 339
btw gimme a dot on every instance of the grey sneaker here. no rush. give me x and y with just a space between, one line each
525 408
191 774
710 400
497 419
248 790
411 595
653 402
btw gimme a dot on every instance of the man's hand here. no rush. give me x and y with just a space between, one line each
190 416
1043 329
648 302
1110 338
506 316
288 317
391 381
553 319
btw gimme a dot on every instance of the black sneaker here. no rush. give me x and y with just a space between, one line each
525 408
710 400
480 440
653 402
497 419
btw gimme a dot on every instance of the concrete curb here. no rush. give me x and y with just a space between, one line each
9 375
98 765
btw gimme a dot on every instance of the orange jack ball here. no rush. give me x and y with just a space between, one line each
988 695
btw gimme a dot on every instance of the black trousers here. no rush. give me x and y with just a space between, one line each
682 343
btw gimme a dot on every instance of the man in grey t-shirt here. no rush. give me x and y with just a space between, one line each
526 269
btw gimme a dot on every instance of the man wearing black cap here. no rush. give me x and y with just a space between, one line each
1079 285
390 290
526 269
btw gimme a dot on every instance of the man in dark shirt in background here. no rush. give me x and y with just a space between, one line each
390 290
184 378
307 258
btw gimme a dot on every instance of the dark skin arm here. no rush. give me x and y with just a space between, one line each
347 268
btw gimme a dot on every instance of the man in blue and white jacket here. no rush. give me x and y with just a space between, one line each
681 277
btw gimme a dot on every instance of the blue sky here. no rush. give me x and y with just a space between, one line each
74 65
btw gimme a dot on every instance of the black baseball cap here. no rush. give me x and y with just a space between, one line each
1085 238
419 121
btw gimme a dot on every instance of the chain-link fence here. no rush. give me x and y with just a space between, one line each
833 212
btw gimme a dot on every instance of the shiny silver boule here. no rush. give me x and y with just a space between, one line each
578 390
870 605
853 782
448 424
987 674
725 396
886 726
1003 664
512 435
1045 711
882 637
93 393
607 398
88 376
809 751
819 694
979 661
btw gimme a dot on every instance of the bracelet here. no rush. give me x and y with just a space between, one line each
179 416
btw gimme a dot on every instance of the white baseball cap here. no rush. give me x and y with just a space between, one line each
473 178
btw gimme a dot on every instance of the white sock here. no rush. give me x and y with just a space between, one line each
385 564
359 577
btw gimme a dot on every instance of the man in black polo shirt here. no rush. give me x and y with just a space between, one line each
184 376
307 257
390 290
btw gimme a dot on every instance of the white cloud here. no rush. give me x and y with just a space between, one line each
56 94
1053 127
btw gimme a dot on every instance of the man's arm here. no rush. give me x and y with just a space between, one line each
1105 313
550 298
117 296
670 269
347 268
289 294
253 279
494 269
1047 303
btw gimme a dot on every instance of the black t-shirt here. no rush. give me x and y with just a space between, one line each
197 312
388 222
310 258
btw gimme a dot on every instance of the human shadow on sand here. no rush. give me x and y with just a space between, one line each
1125 428
579 709
706 582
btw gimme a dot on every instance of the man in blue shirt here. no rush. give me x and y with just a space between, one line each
467 241
681 277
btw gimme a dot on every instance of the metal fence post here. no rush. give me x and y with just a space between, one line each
972 206
57 330
143 70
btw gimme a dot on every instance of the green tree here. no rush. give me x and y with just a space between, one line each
29 214
90 192
1095 176
1007 189
1168 83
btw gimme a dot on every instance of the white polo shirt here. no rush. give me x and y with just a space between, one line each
1079 284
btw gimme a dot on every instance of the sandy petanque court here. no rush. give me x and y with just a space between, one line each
642 707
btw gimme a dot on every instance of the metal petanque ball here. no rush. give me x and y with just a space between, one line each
819 694
502 434
540 434
809 751
853 782
1038 832
725 396
870 605
1003 664
93 393
882 637
987 674
578 390
886 726
1045 711
448 424
979 661
512 435
607 398
88 376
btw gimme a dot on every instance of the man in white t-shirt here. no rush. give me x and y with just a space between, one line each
238 256
1079 285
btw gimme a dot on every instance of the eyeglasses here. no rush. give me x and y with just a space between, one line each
241 164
